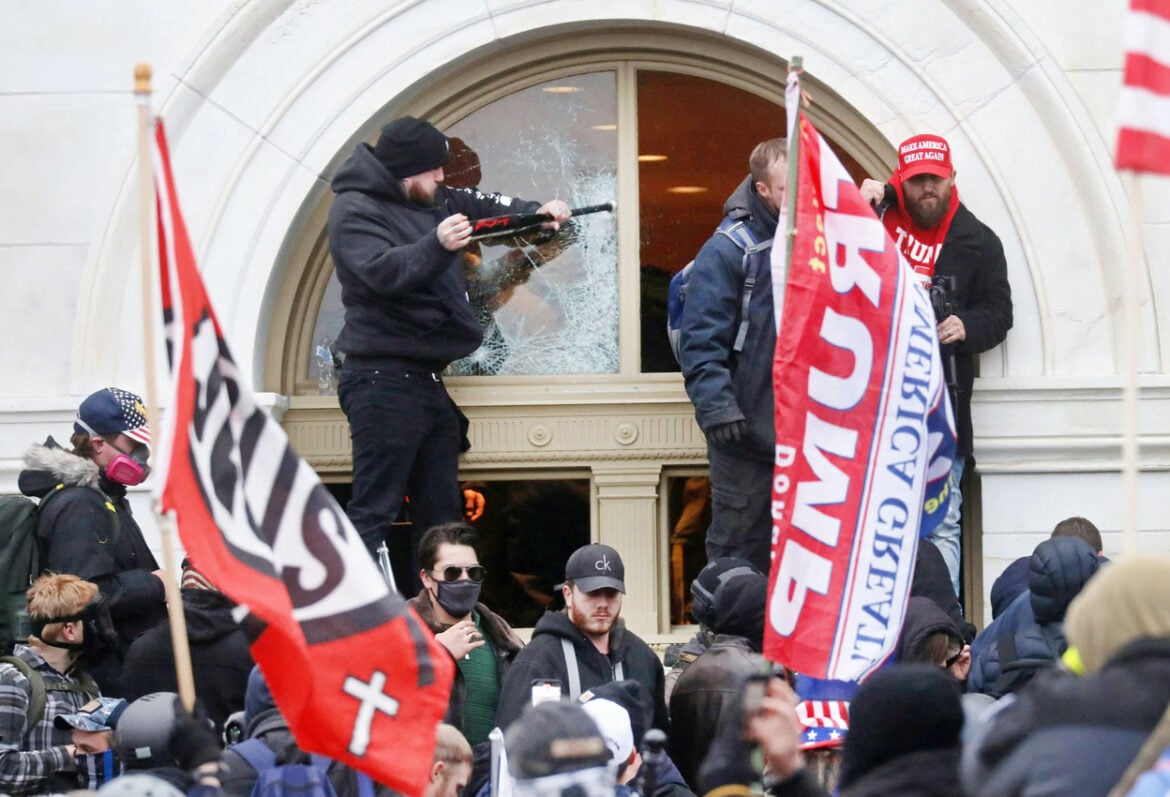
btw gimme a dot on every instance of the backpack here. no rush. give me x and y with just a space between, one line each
676 294
19 563
286 780
38 696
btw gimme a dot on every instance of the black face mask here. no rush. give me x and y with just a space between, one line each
99 637
458 598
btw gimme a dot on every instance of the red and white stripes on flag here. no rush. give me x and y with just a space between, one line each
1143 141
826 723
356 674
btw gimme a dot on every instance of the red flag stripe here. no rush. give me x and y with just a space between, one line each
1144 72
1159 8
1142 151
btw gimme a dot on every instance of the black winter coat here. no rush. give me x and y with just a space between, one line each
544 657
220 656
88 530
1071 735
405 296
982 297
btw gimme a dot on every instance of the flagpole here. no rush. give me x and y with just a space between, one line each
792 112
178 621
1131 341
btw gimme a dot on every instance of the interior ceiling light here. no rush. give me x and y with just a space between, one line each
603 127
561 89
686 189
651 158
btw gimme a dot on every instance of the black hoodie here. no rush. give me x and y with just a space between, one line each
405 296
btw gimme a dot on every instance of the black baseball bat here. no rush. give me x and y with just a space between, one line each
524 222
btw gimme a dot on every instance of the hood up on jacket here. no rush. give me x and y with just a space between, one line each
923 619
49 464
1058 571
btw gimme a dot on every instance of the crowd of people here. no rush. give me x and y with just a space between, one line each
1065 692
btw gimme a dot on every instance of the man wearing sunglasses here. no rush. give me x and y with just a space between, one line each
481 642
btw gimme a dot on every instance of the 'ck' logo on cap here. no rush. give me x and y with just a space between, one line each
602 564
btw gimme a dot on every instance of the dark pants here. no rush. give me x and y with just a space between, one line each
407 434
741 506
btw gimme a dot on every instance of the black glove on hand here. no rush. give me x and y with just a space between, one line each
728 761
728 434
193 740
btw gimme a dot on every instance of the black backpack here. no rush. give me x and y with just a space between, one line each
20 561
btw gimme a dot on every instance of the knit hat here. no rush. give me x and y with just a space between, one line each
905 708
462 169
631 696
707 583
112 411
410 146
740 604
553 737
594 567
924 154
1123 602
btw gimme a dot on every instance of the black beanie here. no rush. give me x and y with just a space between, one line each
410 146
632 697
901 709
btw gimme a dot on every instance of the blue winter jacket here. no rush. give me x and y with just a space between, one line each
724 385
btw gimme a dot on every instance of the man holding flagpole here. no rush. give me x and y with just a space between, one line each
960 261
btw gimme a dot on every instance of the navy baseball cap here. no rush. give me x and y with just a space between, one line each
112 411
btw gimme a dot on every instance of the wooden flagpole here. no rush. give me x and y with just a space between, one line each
792 113
178 621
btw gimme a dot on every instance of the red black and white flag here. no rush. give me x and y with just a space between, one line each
1143 141
864 431
357 676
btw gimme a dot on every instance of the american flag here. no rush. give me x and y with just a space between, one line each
826 723
134 413
1143 141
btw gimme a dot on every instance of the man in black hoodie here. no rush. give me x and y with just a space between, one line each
586 645
396 234
726 358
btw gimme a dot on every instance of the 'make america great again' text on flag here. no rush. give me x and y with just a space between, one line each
864 436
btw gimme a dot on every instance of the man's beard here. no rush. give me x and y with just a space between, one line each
589 625
420 196
928 219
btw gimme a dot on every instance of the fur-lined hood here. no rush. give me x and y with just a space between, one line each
49 465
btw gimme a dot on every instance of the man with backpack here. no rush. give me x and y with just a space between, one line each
727 338
84 524
41 682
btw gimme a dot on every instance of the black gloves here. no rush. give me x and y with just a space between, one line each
193 740
730 761
728 434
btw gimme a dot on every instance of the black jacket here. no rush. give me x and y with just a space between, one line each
544 657
982 298
405 296
1070 735
220 658
88 530
725 385
497 633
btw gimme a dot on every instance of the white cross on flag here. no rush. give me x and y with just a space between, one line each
1143 141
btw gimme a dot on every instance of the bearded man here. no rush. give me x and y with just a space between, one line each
960 260
587 644
396 234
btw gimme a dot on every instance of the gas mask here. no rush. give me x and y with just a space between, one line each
98 638
128 469
94 769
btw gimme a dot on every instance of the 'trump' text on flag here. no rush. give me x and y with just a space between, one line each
357 676
864 436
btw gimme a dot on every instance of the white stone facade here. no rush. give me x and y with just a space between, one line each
260 97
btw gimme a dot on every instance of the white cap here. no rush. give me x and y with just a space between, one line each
614 723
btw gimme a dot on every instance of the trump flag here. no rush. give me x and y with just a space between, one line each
355 673
864 435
